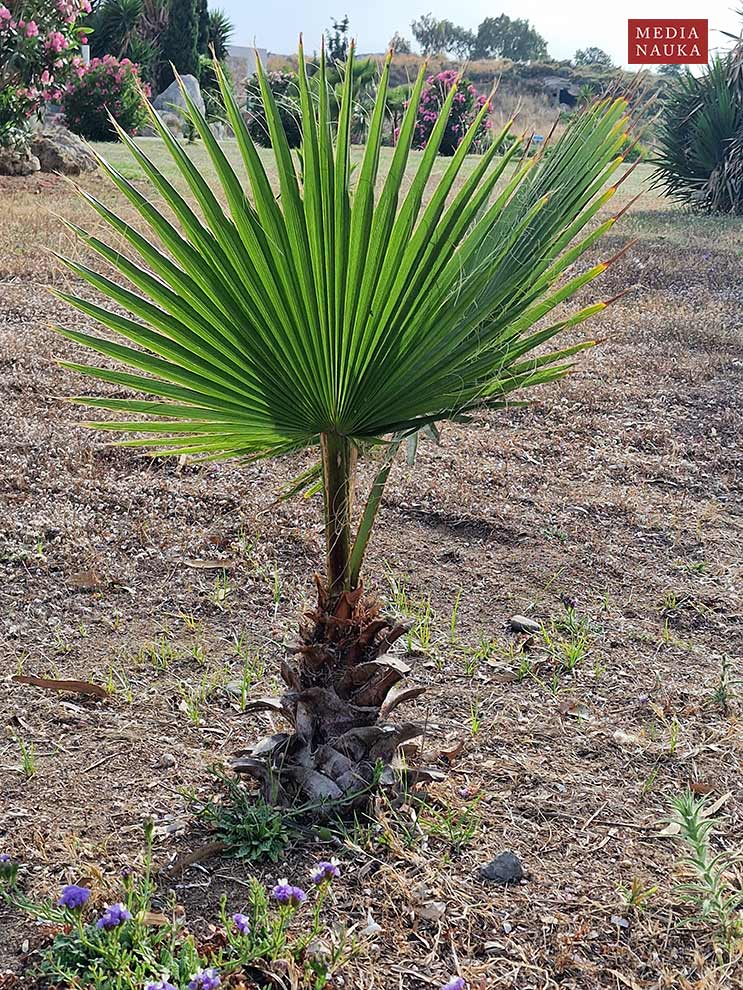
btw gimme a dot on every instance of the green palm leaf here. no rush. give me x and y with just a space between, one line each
341 312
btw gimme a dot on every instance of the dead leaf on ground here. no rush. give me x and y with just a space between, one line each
623 738
502 676
75 687
451 754
626 981
182 862
211 565
574 709
673 828
86 581
714 808
700 788
431 910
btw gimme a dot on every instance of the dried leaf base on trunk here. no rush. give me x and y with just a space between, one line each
341 688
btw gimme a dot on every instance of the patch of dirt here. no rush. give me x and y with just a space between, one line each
620 487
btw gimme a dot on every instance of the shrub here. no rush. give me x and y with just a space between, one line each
285 89
39 48
700 139
467 104
105 85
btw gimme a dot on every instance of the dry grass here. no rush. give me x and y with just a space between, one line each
621 486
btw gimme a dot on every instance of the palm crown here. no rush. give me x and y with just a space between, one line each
351 308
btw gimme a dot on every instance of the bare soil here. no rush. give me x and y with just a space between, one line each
621 487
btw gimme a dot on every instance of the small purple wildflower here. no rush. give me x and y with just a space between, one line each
205 979
325 871
241 923
285 893
455 983
160 985
73 897
114 916
8 870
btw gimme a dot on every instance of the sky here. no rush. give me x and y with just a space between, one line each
566 24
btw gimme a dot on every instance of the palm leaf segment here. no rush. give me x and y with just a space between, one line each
357 312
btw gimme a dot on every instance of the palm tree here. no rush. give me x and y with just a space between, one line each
339 317
116 24
219 33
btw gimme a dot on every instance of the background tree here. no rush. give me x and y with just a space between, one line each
114 23
593 56
338 40
130 29
344 315
179 42
437 37
202 18
501 37
220 31
670 71
399 44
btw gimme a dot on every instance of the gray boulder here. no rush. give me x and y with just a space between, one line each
173 121
14 161
172 98
59 150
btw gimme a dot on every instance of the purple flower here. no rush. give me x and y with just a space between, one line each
455 983
242 923
114 916
284 893
325 871
8 870
160 985
205 979
73 897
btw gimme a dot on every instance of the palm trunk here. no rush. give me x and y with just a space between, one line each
339 469
340 686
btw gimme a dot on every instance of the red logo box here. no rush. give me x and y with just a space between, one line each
667 41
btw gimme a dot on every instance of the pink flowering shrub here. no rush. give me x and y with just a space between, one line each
467 103
39 49
102 86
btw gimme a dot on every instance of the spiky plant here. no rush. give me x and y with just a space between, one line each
699 158
350 311
219 33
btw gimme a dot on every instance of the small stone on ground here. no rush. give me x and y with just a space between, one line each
505 868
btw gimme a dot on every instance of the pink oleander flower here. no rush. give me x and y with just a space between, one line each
32 29
5 14
56 41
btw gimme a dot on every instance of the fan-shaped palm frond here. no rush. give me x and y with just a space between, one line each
327 312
